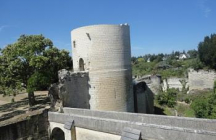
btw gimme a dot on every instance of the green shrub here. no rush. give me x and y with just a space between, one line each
214 86
187 100
168 98
205 107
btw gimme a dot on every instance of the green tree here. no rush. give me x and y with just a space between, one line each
205 107
207 51
168 98
133 59
200 107
31 63
196 64
193 53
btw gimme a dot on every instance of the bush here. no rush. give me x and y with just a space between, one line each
214 86
187 100
168 98
205 107
201 107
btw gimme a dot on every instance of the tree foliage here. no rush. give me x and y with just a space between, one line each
193 53
31 63
207 51
168 98
205 107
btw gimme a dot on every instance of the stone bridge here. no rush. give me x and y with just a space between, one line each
83 124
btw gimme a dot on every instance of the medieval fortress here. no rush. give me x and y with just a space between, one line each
99 100
99 94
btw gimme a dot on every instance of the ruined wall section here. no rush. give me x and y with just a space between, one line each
108 52
174 82
201 80
153 82
75 89
144 98
30 126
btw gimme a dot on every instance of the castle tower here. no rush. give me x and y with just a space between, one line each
105 52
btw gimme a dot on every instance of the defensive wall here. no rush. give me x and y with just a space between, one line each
29 126
104 52
153 82
197 80
174 82
143 98
74 89
201 80
82 124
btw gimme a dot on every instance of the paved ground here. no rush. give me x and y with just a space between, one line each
20 106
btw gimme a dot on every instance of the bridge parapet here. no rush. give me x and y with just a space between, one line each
154 127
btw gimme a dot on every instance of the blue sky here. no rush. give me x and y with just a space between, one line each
157 26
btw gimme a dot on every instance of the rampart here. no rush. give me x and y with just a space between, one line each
75 89
174 82
110 125
29 126
201 80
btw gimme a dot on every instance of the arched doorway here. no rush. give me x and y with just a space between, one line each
57 134
81 64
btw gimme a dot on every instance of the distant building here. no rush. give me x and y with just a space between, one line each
148 60
164 58
183 56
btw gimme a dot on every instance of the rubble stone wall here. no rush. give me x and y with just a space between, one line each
32 126
201 80
75 89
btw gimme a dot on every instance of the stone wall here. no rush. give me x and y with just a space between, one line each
174 82
30 126
152 127
106 52
201 80
153 82
197 80
144 98
75 89
86 134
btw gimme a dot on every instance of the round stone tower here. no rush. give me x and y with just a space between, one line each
104 51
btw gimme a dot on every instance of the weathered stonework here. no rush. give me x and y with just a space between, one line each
75 89
143 98
104 52
99 125
30 126
174 82
153 82
201 80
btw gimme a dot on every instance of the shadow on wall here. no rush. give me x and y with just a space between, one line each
76 87
71 91
57 134
143 98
